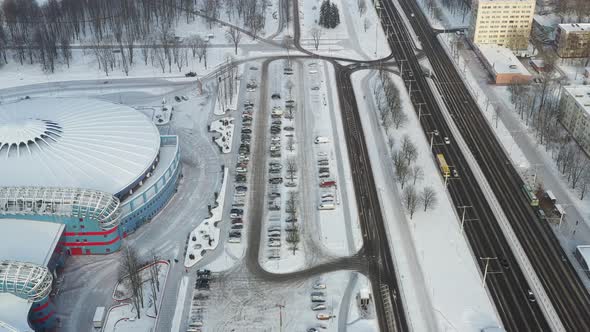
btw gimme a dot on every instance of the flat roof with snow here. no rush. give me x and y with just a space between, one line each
29 241
502 60
585 253
573 27
581 94
14 313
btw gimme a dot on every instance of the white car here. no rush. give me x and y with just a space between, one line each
447 140
323 316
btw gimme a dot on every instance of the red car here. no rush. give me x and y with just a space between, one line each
329 183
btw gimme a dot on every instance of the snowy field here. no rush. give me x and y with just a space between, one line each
349 39
448 294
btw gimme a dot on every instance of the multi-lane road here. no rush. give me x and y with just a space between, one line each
509 288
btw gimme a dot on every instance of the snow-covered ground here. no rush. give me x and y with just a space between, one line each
122 317
339 228
349 39
446 293
234 304
205 237
530 158
84 66
225 127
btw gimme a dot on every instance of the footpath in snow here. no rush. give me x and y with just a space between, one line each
443 291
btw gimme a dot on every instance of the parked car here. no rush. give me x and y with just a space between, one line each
288 128
190 74
319 285
275 180
177 99
317 307
321 140
237 226
323 316
318 299
275 96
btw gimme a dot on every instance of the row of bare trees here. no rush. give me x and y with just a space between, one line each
407 172
44 33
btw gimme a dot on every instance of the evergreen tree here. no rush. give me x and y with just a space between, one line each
334 16
324 14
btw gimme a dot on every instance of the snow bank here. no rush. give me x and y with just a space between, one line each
205 237
224 126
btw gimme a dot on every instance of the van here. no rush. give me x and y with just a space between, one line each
98 319
326 206
321 140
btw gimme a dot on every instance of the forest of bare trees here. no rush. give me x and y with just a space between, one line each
114 30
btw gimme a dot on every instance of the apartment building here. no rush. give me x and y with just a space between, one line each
575 113
573 40
503 22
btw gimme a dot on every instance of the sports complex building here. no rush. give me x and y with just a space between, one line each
77 177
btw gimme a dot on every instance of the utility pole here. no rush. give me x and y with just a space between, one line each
485 273
463 216
281 306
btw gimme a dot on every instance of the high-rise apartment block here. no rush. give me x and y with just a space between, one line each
575 113
573 40
503 22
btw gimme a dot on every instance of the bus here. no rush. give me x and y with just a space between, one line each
528 192
442 163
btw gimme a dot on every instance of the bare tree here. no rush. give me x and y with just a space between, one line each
234 36
417 173
293 238
362 7
401 167
129 274
428 198
160 57
410 199
316 35
291 168
408 149
154 270
366 24
291 205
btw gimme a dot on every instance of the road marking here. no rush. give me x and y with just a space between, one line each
179 304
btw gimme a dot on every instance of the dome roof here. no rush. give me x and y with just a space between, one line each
74 142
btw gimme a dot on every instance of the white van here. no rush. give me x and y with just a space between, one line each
321 140
98 319
326 206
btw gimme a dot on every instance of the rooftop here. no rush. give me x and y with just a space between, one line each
572 27
581 94
41 238
13 313
502 60
75 142
585 252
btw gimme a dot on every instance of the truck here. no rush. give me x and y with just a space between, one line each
442 163
98 319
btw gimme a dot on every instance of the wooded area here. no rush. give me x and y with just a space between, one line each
115 29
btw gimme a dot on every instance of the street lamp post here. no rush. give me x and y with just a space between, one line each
281 306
